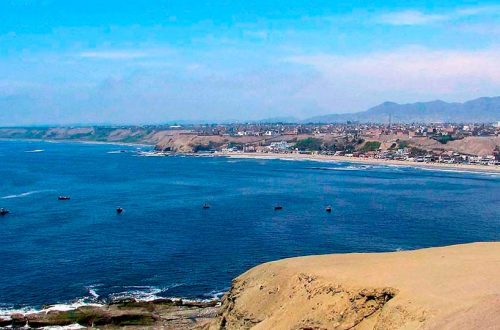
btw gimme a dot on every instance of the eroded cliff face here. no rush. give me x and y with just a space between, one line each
454 287
308 302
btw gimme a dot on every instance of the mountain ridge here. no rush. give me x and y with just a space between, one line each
483 109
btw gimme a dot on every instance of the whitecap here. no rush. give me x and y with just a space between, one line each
35 151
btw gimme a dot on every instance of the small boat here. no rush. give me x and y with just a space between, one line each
119 210
328 209
206 206
278 207
4 211
63 198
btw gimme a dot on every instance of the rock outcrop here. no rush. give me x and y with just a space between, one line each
161 313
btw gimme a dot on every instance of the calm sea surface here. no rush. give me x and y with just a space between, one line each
166 245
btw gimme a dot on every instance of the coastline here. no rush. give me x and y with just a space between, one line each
170 313
368 161
125 144
295 156
348 290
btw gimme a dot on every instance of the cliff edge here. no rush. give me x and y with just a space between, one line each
455 287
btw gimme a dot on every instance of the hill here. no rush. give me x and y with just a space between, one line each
484 109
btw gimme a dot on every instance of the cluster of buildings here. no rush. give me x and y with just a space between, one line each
348 129
404 142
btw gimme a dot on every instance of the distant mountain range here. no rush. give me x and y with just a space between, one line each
481 110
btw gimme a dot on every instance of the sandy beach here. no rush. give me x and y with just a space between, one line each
454 287
372 161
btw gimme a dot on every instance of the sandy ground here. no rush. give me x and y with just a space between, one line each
451 167
455 287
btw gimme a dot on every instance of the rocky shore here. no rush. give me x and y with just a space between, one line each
159 313
454 287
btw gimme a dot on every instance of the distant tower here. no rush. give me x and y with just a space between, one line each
390 120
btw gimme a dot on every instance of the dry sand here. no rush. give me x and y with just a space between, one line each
455 287
449 167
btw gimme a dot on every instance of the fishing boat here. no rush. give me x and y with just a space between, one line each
4 211
278 207
63 198
328 209
119 210
206 206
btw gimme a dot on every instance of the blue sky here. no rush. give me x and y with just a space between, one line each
123 62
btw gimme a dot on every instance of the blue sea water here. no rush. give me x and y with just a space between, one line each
166 245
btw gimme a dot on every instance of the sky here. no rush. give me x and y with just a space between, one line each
152 62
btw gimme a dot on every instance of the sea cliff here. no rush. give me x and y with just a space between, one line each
455 287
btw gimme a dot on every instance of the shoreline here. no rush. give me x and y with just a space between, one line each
368 161
295 156
173 313
126 144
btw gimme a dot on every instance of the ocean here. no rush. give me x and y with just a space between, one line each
166 245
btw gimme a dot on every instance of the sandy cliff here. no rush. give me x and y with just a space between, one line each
456 287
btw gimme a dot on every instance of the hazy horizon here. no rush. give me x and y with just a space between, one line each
121 63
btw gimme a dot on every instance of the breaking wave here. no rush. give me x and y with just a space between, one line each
94 298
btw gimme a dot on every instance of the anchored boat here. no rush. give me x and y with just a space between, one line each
63 198
4 211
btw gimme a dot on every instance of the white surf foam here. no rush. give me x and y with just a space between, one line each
69 307
139 293
345 168
433 169
66 327
216 294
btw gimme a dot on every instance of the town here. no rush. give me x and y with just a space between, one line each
448 143
429 143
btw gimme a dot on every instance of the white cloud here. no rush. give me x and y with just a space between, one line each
411 17
402 75
415 17
114 54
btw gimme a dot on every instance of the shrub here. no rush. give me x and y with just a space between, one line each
309 144
370 146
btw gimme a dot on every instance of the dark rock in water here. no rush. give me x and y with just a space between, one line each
5 322
18 320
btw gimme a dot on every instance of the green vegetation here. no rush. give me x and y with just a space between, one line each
237 145
443 138
370 146
403 144
309 144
